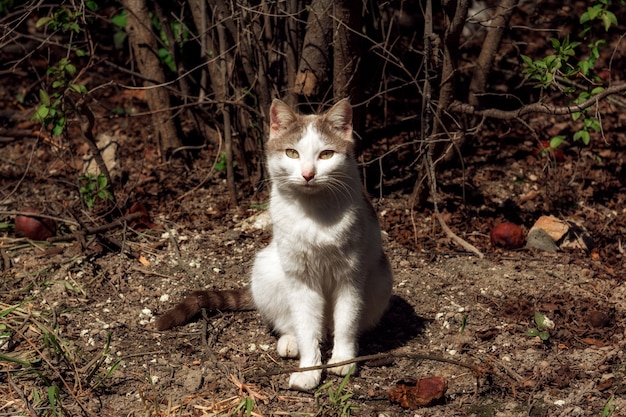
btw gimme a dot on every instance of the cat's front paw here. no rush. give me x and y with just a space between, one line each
287 346
342 369
305 381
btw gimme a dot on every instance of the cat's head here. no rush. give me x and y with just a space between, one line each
311 153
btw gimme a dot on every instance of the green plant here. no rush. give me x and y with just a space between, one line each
55 103
563 69
103 377
338 403
542 326
245 406
52 112
93 188
119 32
220 163
463 323
608 409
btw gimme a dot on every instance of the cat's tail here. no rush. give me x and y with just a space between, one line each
183 312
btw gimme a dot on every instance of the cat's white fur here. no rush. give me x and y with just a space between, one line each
324 271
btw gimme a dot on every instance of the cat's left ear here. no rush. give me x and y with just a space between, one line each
340 118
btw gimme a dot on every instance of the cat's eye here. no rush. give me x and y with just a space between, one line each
326 154
292 153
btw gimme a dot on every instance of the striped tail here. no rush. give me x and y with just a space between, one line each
227 300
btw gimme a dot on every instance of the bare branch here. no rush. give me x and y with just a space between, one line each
538 107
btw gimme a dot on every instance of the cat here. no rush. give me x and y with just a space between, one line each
324 272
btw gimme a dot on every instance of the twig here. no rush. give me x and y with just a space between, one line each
99 229
479 370
37 216
31 410
430 168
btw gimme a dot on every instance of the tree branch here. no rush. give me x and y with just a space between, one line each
538 107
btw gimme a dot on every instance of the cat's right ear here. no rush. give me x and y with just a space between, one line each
281 116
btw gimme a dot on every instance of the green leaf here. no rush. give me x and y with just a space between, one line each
545 335
608 19
597 90
540 320
11 359
57 130
119 19
41 113
92 5
78 88
53 393
555 43
70 69
102 182
527 60
584 67
43 21
532 332
576 116
44 98
583 135
556 141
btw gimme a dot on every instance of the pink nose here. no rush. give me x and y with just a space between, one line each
308 176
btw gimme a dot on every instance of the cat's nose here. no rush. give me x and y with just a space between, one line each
308 176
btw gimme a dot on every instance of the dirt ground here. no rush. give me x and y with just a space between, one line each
75 295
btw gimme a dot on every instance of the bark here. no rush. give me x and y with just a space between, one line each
292 51
316 60
346 57
144 47
489 50
228 137
346 50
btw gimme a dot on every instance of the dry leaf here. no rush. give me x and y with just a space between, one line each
144 261
414 394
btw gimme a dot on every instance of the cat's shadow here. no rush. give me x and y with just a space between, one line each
398 326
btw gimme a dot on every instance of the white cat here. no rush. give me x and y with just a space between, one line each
324 272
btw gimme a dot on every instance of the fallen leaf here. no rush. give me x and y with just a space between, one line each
143 261
605 383
487 334
414 394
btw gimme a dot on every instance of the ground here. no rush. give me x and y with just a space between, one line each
77 314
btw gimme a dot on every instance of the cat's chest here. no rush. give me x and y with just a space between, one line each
317 229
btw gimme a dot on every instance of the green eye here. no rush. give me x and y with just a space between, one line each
292 153
326 154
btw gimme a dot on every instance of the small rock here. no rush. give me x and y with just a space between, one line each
259 221
550 234
193 379
554 227
540 239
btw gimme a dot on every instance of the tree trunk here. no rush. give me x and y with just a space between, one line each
315 62
489 50
144 47
225 107
346 57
